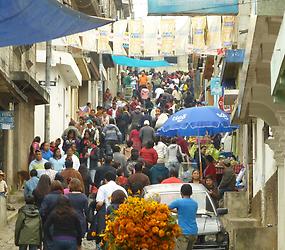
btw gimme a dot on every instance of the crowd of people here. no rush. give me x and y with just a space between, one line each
109 153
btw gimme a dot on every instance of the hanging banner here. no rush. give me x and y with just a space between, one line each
167 32
228 31
150 36
213 32
119 29
89 41
186 7
198 32
103 40
182 31
135 36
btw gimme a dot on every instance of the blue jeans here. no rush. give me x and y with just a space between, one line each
25 247
64 245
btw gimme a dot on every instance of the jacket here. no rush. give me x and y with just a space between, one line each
28 229
149 155
172 151
158 173
49 203
146 134
136 117
111 133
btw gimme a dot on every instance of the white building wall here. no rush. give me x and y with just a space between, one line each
264 163
60 104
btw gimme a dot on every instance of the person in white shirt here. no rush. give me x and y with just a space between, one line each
69 154
159 90
49 171
161 150
105 191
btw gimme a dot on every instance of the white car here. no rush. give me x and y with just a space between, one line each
211 234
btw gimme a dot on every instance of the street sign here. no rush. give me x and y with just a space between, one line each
7 120
216 87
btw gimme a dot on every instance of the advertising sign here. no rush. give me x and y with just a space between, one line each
7 120
216 87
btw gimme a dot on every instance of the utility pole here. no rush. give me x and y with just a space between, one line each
47 84
100 89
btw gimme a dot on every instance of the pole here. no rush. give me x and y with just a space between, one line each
47 84
100 89
200 158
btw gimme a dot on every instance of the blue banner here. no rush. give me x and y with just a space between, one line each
214 7
7 120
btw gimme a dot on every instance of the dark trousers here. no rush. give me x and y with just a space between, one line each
64 245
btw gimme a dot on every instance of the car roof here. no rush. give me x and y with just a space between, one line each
173 187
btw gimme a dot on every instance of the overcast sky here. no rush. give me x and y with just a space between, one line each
140 8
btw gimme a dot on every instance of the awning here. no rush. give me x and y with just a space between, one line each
30 21
126 61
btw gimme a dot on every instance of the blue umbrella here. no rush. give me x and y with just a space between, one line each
197 121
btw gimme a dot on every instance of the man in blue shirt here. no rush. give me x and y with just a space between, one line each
31 184
186 209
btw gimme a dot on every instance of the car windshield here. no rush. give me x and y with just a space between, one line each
204 204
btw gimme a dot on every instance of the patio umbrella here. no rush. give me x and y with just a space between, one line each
197 121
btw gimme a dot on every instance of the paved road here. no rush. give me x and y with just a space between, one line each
7 239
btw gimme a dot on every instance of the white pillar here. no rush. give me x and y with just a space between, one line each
89 94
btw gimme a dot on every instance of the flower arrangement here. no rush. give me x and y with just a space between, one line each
141 224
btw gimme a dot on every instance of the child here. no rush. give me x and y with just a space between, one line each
3 184
28 229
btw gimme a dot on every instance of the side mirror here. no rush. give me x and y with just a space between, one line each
222 211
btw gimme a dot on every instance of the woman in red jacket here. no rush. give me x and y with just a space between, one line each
149 154
135 138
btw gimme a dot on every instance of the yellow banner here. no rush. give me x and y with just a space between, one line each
103 40
228 31
135 36
214 32
198 32
167 32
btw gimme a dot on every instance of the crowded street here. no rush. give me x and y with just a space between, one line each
142 125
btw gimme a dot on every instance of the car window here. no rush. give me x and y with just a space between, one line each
204 204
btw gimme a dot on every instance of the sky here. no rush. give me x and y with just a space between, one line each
140 8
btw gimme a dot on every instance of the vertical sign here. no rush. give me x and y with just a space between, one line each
103 40
151 25
119 28
228 31
198 31
213 32
167 32
135 34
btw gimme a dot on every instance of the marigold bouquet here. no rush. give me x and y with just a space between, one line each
141 224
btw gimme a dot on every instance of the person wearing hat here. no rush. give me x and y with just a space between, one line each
228 180
136 117
3 184
147 133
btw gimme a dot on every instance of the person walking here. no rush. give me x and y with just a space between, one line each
38 162
63 227
135 138
28 228
112 136
147 133
31 184
138 177
79 202
186 209
56 160
69 172
101 171
42 189
149 155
